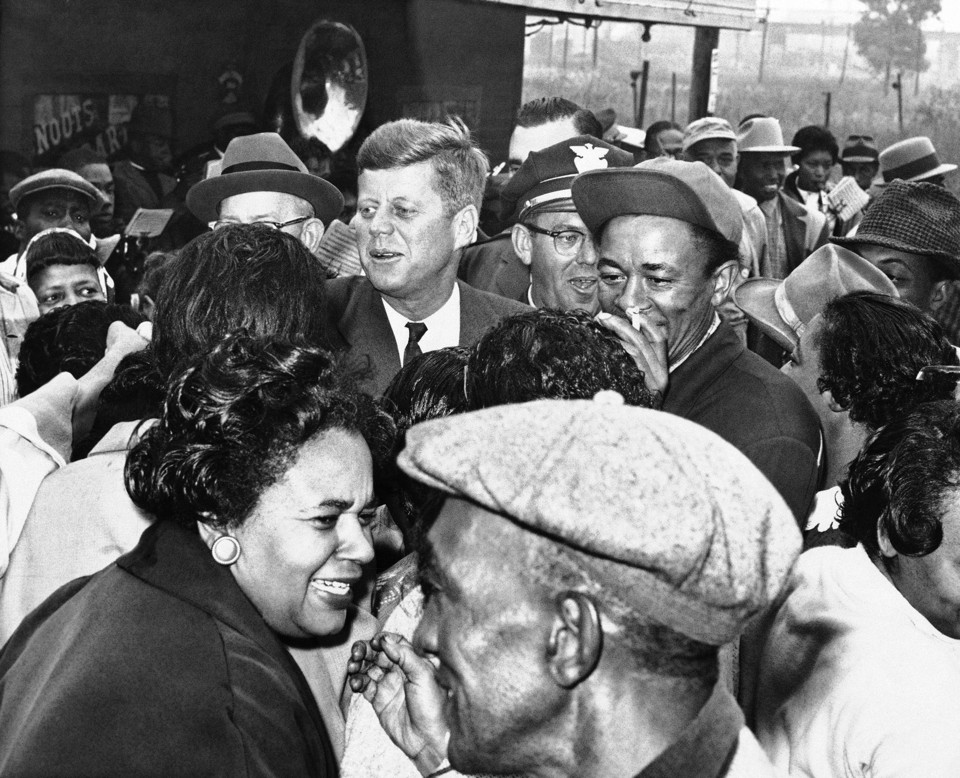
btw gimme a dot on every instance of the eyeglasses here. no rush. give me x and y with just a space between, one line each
566 242
274 225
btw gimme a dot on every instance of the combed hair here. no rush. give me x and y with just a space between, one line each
59 248
544 110
813 138
903 480
70 339
871 348
459 166
654 130
233 423
155 269
546 354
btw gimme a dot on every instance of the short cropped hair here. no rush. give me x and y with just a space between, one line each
654 648
429 386
813 138
871 348
547 353
58 248
545 110
903 480
233 422
155 269
69 339
77 159
459 166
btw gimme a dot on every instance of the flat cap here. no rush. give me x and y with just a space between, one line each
688 191
56 178
544 178
671 517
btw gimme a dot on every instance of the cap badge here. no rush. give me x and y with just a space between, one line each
589 157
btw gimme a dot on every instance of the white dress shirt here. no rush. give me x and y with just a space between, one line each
443 327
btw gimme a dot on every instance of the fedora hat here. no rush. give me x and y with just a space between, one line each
263 162
781 309
913 216
859 148
913 159
763 134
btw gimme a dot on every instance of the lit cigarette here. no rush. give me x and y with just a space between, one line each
634 314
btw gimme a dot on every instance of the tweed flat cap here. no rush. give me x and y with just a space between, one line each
56 178
672 517
912 216
544 178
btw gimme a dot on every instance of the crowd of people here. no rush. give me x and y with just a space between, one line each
610 462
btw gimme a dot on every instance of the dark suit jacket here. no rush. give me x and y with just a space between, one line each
754 407
492 265
158 665
357 315
795 218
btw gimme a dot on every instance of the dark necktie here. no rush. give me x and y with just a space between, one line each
417 329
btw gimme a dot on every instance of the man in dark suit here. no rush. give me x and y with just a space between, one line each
420 189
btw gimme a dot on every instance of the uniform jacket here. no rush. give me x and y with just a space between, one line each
755 408
356 313
158 665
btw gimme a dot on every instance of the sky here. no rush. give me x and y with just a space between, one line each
847 11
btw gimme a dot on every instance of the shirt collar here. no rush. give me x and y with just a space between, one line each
706 746
443 326
713 328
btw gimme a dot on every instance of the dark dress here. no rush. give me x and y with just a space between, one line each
157 665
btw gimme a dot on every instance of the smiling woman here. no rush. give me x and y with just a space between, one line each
174 660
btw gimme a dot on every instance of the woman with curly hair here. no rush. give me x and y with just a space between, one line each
861 675
175 660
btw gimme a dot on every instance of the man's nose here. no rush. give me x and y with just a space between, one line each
380 222
588 254
633 296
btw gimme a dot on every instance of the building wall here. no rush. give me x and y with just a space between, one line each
421 54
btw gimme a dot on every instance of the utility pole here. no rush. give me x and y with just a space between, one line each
846 50
765 21
826 109
566 43
641 108
673 97
898 85
705 40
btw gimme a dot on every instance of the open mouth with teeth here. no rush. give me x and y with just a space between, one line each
338 588
384 254
583 283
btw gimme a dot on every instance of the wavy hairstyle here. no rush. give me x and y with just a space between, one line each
547 353
233 423
871 348
903 479
460 167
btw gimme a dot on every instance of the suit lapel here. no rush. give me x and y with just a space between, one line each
474 315
365 328
794 233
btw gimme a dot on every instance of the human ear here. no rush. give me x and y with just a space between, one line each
883 541
520 237
19 230
831 402
941 293
311 234
465 225
208 534
576 639
723 278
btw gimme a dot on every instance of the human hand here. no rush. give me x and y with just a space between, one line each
402 688
646 345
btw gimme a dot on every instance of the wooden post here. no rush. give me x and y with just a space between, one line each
673 97
641 108
706 39
826 109
765 21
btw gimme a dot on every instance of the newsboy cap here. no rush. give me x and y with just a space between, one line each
688 191
674 518
56 178
544 178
